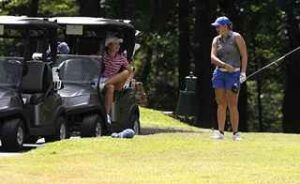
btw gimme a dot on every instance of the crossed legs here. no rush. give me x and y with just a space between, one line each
114 83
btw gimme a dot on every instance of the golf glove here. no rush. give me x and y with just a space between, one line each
243 77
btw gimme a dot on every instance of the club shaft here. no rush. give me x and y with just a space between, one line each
272 63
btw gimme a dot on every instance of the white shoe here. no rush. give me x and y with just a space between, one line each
101 86
108 119
218 135
237 137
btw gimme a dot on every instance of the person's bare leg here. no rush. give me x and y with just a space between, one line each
232 99
114 83
119 78
222 107
109 97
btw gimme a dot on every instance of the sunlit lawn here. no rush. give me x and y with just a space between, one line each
190 156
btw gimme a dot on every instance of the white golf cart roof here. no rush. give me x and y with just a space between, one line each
92 21
26 21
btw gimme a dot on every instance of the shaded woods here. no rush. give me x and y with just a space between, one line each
176 38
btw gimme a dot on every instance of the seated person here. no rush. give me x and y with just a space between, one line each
116 71
63 48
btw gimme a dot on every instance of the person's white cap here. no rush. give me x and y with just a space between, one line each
113 39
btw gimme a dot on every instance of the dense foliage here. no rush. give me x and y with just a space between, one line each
268 27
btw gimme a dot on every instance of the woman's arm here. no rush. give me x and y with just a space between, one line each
213 55
243 51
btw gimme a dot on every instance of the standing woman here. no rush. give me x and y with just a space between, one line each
229 55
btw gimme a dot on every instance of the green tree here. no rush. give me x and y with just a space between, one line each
40 7
266 42
58 8
157 60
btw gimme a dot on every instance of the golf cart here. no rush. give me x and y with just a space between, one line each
30 107
80 72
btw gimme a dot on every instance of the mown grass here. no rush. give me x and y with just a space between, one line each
156 122
189 156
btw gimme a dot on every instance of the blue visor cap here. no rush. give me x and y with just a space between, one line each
221 21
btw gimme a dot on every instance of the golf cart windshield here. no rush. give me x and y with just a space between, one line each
11 72
76 69
23 36
16 44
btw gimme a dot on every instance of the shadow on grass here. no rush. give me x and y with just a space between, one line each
26 148
155 130
189 120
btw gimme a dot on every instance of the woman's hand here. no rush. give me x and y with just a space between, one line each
228 67
243 77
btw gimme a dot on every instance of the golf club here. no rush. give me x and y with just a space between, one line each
235 88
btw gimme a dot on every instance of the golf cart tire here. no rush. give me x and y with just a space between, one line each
137 127
91 126
134 120
31 140
13 134
61 131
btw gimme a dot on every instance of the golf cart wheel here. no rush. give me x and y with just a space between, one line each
31 140
61 131
91 126
13 134
134 121
136 126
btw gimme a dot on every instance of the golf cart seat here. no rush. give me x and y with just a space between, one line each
37 82
11 71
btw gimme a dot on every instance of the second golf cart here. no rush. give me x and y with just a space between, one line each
80 71
30 107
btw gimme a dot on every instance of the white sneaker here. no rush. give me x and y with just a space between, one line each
101 86
236 137
108 119
218 135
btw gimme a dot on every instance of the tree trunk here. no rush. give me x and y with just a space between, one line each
127 9
184 42
203 68
33 10
89 8
291 117
259 104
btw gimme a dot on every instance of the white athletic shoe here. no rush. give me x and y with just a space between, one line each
236 137
218 135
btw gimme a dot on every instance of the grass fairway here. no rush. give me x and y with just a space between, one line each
187 156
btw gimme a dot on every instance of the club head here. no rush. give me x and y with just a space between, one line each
235 88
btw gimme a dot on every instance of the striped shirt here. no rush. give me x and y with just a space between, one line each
112 65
